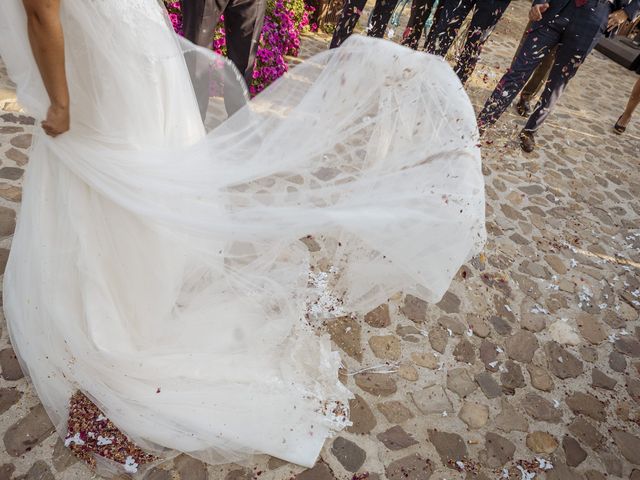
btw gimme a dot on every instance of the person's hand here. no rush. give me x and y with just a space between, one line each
616 19
57 121
535 14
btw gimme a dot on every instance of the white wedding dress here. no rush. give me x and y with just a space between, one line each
158 268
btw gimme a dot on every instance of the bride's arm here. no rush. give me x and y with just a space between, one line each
47 43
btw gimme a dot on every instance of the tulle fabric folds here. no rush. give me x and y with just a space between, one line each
158 264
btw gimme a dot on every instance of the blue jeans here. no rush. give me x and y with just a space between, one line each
575 31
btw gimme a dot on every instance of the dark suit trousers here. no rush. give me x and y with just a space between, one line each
351 11
486 14
420 11
574 31
539 77
243 21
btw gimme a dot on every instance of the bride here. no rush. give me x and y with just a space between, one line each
161 270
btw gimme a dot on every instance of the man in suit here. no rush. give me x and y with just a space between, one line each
351 11
574 27
486 14
242 23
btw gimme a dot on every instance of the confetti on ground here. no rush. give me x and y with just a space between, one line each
91 434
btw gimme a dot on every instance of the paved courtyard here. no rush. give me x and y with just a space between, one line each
530 365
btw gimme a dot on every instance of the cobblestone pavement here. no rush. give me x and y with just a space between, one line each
534 353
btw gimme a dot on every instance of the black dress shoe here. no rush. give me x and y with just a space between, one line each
527 141
523 107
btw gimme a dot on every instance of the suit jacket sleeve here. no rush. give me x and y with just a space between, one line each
632 7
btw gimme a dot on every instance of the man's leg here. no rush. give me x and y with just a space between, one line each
380 17
536 45
485 18
200 18
243 21
430 37
527 29
446 28
568 59
192 15
420 11
532 87
539 77
348 20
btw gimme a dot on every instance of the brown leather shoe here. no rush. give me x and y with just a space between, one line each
527 141
523 107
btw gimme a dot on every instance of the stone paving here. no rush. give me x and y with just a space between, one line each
530 365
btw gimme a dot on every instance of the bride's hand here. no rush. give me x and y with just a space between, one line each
57 121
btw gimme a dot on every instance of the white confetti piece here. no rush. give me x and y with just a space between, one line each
75 440
104 440
130 465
